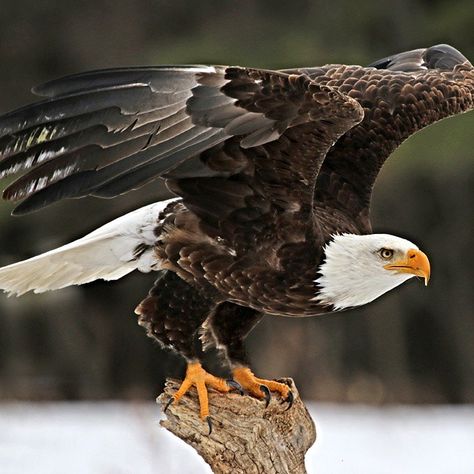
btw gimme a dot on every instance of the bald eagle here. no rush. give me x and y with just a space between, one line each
269 173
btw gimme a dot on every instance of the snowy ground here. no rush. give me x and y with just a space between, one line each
125 438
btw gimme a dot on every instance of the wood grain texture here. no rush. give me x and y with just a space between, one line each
246 437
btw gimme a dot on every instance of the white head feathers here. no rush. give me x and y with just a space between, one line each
359 268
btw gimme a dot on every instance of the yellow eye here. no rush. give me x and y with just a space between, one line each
386 254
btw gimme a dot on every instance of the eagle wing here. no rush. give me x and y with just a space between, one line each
104 133
400 94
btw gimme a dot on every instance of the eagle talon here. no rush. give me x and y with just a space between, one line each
209 423
267 393
261 388
168 403
202 380
235 385
290 399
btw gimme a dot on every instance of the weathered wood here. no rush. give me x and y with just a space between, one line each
246 437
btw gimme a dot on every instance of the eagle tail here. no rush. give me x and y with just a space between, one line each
108 253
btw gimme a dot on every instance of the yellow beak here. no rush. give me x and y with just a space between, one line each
415 262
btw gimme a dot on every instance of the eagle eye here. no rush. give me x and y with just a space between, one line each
386 254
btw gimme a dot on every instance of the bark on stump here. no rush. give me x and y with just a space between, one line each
246 437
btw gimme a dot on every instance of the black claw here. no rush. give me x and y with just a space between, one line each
209 423
267 393
168 403
235 385
290 399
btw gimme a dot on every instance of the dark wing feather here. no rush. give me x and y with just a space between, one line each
441 57
147 172
98 126
107 78
95 120
405 93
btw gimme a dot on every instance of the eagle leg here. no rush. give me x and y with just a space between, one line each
228 326
172 313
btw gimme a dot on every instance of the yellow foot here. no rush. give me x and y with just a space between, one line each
261 388
197 376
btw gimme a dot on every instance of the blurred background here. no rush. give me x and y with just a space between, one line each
414 345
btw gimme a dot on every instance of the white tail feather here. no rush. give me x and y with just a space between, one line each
108 253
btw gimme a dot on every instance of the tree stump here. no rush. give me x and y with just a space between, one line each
246 437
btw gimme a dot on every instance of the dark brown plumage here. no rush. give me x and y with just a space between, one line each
268 165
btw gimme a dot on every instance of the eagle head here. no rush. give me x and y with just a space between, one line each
357 269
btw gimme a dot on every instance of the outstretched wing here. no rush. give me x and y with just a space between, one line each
104 133
96 126
400 95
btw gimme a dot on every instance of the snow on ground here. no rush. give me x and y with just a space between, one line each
125 438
